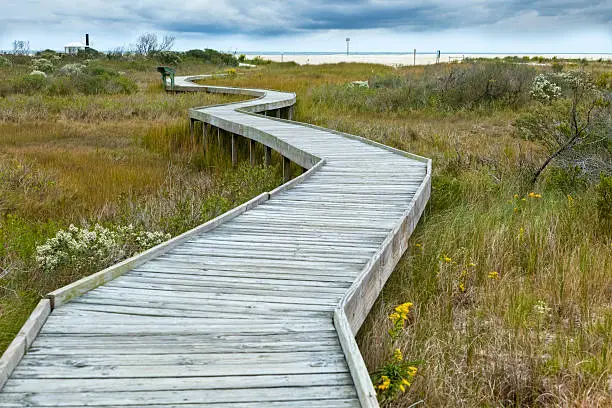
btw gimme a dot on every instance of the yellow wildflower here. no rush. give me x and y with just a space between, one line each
570 200
515 209
412 371
531 195
402 389
394 316
404 308
471 264
397 355
538 195
385 383
523 199
406 382
463 273
417 245
462 287
493 275
516 196
447 259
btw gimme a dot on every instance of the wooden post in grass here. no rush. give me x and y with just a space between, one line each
286 169
205 136
191 130
252 151
234 150
290 112
267 155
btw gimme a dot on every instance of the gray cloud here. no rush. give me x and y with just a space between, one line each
263 20
270 18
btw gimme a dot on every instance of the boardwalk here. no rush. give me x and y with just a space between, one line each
257 308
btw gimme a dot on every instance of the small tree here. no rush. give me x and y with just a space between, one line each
149 44
586 124
21 47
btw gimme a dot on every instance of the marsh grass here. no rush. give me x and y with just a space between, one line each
536 333
109 159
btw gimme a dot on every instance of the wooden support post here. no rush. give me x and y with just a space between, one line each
267 155
286 169
252 151
234 150
205 136
219 137
290 112
192 129
277 113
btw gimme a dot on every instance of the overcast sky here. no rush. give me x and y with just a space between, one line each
506 26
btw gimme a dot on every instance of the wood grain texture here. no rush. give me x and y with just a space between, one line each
256 308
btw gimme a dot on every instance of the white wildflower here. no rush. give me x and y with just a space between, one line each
541 308
544 90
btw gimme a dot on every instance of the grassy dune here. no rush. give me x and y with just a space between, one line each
536 333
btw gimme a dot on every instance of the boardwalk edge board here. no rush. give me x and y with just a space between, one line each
24 339
349 314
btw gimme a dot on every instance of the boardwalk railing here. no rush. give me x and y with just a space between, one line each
257 307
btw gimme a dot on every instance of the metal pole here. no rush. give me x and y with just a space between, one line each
414 57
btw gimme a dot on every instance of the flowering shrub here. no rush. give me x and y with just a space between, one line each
72 69
544 90
42 64
98 247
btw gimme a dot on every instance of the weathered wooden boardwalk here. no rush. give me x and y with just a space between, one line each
257 308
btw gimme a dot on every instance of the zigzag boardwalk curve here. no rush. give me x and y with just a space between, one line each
256 308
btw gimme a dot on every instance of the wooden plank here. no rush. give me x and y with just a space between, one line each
203 397
179 384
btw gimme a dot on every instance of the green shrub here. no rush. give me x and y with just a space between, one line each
259 61
4 62
168 57
556 66
474 85
98 80
28 84
541 120
604 202
567 179
213 57
61 86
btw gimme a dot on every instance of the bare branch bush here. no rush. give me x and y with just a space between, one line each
582 137
148 44
21 47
